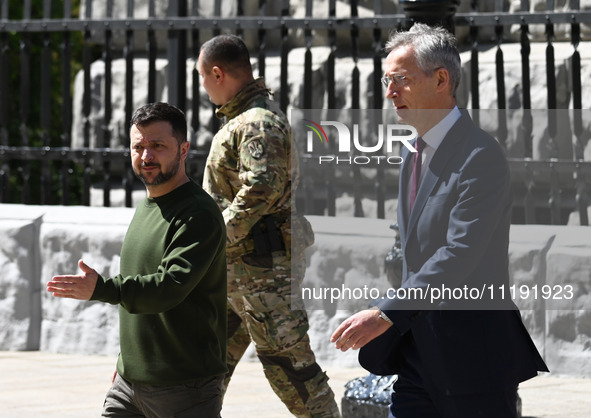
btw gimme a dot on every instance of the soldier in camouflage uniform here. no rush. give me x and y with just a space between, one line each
249 173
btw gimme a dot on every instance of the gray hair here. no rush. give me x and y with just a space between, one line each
434 48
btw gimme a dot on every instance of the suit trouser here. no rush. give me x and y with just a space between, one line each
411 399
260 310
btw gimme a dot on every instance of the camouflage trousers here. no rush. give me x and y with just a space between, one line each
262 311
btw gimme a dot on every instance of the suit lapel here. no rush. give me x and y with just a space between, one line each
402 195
427 185
434 171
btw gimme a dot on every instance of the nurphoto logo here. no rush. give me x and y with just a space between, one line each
378 145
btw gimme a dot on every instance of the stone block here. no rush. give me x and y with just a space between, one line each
568 322
539 32
528 248
20 297
68 235
119 135
346 264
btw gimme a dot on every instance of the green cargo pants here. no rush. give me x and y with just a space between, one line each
262 310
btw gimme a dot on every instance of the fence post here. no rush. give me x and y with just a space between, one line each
177 57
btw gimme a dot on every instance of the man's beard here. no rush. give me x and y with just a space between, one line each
163 176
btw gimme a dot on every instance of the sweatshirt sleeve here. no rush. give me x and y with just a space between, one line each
184 264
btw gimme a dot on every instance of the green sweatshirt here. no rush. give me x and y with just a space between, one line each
172 290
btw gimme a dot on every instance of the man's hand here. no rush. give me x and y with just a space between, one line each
74 287
359 329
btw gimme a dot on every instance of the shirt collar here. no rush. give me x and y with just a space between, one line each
242 99
434 136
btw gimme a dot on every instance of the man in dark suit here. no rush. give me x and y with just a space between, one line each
454 356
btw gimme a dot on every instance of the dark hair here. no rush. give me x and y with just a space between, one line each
160 111
434 47
227 52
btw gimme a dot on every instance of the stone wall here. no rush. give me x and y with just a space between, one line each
42 241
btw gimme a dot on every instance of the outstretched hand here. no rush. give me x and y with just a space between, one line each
359 329
79 287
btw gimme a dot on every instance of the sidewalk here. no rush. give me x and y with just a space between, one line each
35 384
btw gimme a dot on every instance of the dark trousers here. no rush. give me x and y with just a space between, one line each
202 398
411 401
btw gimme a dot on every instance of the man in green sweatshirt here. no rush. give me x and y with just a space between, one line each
171 290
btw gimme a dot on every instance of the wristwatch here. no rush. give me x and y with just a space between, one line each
385 317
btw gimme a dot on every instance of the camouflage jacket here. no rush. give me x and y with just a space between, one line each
249 170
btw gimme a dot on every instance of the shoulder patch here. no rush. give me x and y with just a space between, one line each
255 149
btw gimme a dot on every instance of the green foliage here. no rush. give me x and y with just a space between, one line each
25 124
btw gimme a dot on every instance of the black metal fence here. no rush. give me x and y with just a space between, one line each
44 44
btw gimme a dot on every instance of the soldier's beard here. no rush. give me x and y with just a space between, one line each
164 175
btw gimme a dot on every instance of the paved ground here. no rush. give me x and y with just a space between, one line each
36 384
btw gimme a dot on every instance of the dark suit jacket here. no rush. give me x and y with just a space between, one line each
457 234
